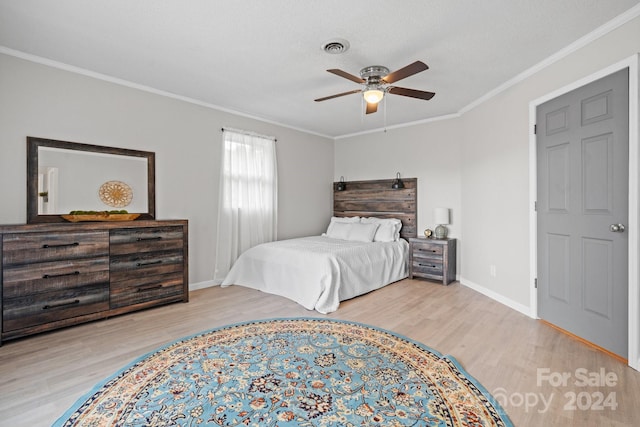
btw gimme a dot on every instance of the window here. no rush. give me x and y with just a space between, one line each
248 200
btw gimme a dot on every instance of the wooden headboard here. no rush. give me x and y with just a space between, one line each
377 198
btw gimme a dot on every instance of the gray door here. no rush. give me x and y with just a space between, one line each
582 204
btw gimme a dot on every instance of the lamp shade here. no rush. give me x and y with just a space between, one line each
441 215
373 96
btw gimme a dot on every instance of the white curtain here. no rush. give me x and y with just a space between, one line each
248 203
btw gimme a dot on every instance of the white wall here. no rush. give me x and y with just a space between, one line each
38 100
429 152
486 180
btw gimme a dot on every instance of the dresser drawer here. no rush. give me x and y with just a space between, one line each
140 240
27 248
40 308
24 280
427 250
135 290
146 264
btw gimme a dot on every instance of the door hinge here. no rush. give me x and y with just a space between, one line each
535 282
535 206
535 129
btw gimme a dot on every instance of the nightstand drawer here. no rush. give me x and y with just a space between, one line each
427 250
432 268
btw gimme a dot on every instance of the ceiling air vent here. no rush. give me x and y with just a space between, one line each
336 46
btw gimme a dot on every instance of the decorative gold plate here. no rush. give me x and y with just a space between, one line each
115 193
101 217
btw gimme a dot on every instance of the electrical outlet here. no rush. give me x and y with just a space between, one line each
492 270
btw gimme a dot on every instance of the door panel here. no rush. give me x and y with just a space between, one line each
558 170
582 152
598 275
597 185
596 108
557 120
559 260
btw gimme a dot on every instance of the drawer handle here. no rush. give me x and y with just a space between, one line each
62 304
149 288
142 239
427 250
51 276
64 245
144 264
428 265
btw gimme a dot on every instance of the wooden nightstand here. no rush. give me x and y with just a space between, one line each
432 259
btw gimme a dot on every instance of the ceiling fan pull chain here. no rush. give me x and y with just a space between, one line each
385 115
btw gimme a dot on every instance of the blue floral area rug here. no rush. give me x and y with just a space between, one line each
290 372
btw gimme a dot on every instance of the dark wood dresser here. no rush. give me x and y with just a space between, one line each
432 259
56 275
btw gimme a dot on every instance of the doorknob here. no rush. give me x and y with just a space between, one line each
617 228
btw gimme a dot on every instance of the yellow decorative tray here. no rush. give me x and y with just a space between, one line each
101 217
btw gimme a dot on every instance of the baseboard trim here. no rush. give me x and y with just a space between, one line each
497 297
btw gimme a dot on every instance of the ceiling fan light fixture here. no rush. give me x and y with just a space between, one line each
377 81
373 95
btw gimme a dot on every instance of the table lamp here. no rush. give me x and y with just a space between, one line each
441 217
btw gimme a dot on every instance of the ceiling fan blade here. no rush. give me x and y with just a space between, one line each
405 72
371 107
346 75
413 93
338 95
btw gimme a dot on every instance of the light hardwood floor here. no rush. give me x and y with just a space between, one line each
41 376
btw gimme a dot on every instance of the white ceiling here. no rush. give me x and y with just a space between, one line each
263 58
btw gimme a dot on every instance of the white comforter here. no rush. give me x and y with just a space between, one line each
318 272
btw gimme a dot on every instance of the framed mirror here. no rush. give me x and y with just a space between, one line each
67 176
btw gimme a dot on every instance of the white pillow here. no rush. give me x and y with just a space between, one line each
352 231
388 230
339 230
362 232
343 220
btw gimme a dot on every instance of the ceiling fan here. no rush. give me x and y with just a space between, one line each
377 80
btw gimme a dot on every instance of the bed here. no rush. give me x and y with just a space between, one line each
363 249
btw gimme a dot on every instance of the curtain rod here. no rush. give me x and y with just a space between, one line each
247 132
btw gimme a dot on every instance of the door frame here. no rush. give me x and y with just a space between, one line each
632 63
